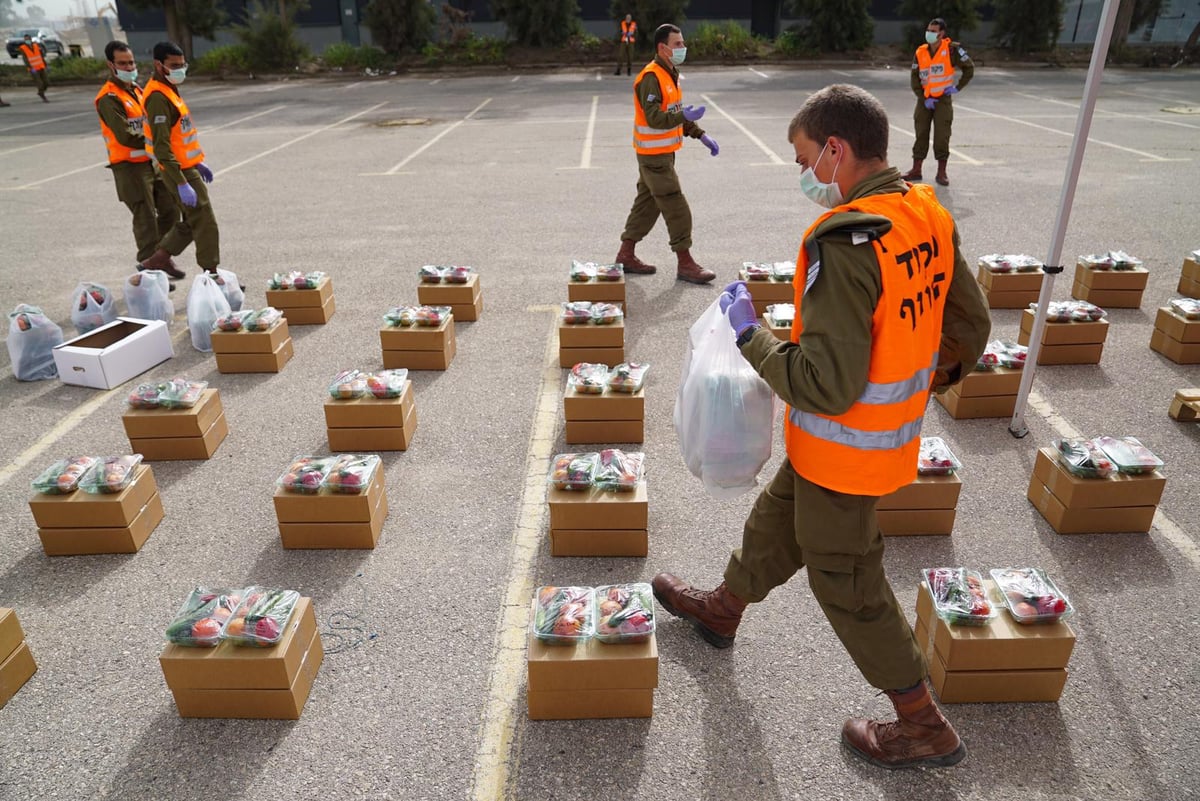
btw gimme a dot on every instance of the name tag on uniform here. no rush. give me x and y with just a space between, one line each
858 237
160 118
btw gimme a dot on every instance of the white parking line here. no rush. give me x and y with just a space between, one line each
431 142
46 122
761 145
27 147
435 81
1175 101
842 73
953 152
515 79
1141 117
1145 156
585 158
300 138
759 74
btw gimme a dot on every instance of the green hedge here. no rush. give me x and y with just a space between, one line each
348 57
724 40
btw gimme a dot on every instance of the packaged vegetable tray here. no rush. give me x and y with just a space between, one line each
1188 308
457 274
234 321
1010 263
387 383
606 314
624 613
628 377
587 378
348 384
199 621
111 475
431 274
305 474
1083 458
180 393
400 316
263 319
582 271
756 270
261 618
574 471
63 477
576 312
781 315
1031 596
564 615
1066 311
958 596
619 471
350 474
610 272
935 458
1002 353
1112 260
1129 455
432 316
783 271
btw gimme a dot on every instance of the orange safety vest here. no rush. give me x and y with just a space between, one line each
650 141
628 31
134 113
33 53
936 71
872 448
185 139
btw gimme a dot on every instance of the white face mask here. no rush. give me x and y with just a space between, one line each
678 54
932 37
128 76
828 195
177 76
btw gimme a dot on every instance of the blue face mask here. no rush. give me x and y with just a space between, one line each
828 195
177 76
932 37
128 76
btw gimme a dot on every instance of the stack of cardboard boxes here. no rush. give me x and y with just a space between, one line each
234 681
608 417
371 424
991 393
768 284
1107 287
464 299
778 319
1189 276
1185 407
1003 661
595 523
1010 282
161 434
594 290
926 506
591 680
16 661
328 519
591 342
305 306
1176 337
253 351
1076 505
81 523
1070 342
419 347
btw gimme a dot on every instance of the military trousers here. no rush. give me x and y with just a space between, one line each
797 524
625 56
148 200
659 194
941 119
40 80
197 224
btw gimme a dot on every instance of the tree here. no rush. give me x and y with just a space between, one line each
8 14
1026 26
270 39
35 13
648 14
960 16
1132 14
397 25
835 26
539 23
186 18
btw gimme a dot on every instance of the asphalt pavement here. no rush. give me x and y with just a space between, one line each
421 695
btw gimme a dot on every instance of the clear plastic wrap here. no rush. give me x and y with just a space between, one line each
582 271
959 597
263 319
781 315
610 272
261 618
233 321
1010 263
628 377
624 613
756 270
1129 455
63 477
31 340
1066 311
400 316
92 306
936 458
619 471
458 274
564 615
1031 596
783 271
431 274
295 280
1112 260
177 393
574 471
1083 458
201 617
111 475
387 383
147 298
432 316
606 314
348 384
1188 308
305 474
576 312
1002 353
351 474
587 378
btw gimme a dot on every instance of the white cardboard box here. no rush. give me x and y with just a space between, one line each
113 353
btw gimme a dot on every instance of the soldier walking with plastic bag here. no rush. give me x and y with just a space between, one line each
886 311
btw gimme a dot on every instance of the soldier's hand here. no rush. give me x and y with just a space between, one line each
930 102
951 90
206 174
187 195
710 143
693 113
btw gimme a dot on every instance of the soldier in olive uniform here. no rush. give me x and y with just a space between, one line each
940 69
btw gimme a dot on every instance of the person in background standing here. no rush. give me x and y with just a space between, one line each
628 40
34 54
940 70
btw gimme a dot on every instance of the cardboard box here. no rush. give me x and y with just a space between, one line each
11 633
87 541
1191 269
421 359
600 432
592 542
782 333
285 299
986 383
330 507
1176 326
100 511
468 312
961 408
909 522
418 337
588 704
925 492
370 412
609 405
597 291
256 362
1009 300
1066 354
310 315
301 536
17 669
236 667
1089 520
591 665
357 440
1185 407
1069 333
256 704
1096 493
1108 298
769 291
995 686
1004 283
1188 288
161 449
156 423
1003 644
595 510
592 336
1127 280
569 357
250 341
114 353
449 294
1173 349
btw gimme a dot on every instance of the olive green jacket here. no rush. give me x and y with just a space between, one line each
827 371
964 69
649 95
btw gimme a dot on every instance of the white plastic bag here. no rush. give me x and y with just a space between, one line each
31 340
146 296
232 288
206 302
724 410
92 306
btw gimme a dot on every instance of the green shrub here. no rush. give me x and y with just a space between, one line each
834 26
1026 26
270 40
82 68
961 16
724 40
400 25
348 57
223 60
792 42
539 23
470 51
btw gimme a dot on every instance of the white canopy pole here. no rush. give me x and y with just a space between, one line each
1053 264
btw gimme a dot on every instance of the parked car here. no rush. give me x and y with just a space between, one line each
47 37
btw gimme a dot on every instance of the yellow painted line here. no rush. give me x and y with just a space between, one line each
489 779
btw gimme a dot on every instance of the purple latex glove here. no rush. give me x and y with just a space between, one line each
205 173
733 288
710 143
951 90
930 102
740 308
187 195
693 113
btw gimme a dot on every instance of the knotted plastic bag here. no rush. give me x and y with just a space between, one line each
31 340
92 306
723 411
232 288
146 296
205 303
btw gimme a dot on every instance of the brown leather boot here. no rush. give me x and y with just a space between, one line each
941 176
915 173
632 263
715 614
690 271
920 737
161 260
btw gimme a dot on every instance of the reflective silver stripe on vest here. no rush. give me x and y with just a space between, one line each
647 130
898 391
652 143
833 431
191 154
137 153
